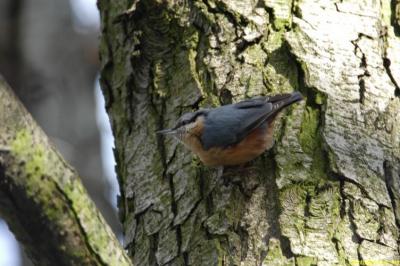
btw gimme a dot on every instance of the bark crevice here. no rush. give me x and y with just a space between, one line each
392 185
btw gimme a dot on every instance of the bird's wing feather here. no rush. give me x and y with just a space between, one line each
230 124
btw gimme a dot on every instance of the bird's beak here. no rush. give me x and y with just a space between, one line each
167 131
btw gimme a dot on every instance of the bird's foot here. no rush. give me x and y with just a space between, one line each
220 171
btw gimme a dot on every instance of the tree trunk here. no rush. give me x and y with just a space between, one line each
52 69
43 200
328 193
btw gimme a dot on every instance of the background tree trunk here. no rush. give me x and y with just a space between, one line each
42 197
52 68
328 193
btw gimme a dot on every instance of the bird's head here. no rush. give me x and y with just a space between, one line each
189 124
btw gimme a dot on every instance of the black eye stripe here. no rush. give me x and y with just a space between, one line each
187 121
189 118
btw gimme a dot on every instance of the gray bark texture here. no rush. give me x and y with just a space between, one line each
328 193
43 200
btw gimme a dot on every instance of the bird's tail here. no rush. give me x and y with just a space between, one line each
281 101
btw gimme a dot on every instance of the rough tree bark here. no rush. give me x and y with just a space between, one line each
329 191
43 200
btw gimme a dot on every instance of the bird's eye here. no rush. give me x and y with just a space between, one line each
181 123
186 119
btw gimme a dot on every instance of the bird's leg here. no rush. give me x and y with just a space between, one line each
246 168
220 171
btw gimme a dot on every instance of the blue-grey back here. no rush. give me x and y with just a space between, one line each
229 124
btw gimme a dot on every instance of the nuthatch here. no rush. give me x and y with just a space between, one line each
231 134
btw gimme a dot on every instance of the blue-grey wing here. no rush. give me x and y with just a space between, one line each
229 124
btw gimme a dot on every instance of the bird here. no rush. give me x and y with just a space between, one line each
232 134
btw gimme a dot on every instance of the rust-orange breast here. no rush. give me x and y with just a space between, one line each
249 148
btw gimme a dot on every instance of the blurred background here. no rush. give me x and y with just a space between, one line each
48 54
